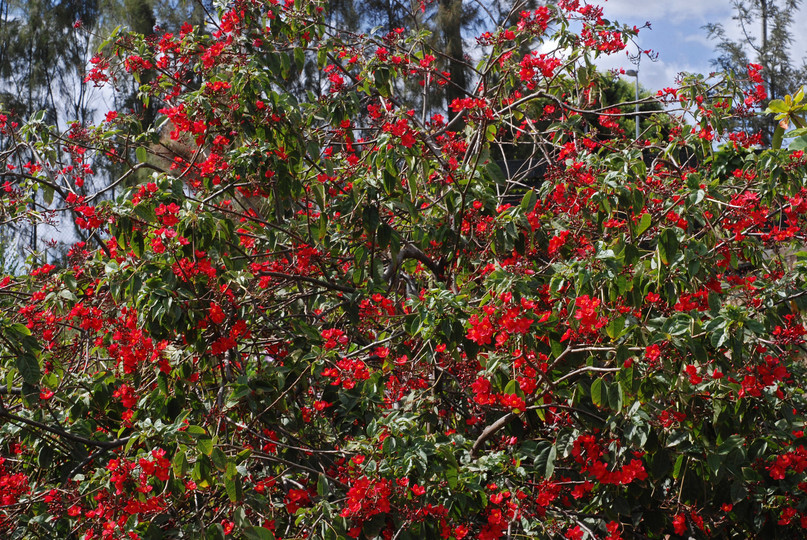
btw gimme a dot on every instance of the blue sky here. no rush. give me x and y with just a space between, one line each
677 35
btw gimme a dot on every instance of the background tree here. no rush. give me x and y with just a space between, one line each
42 57
46 48
767 31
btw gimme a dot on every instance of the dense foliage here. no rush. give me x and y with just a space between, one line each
341 315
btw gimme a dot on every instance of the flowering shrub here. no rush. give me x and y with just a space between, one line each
343 315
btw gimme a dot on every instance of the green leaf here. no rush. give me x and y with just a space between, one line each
285 65
47 194
778 135
319 194
28 366
381 77
132 441
626 378
452 476
749 474
323 488
615 327
258 533
738 492
776 106
679 464
299 58
180 463
799 143
644 223
667 245
214 532
219 459
660 464
241 456
45 457
545 460
70 281
195 431
230 482
495 173
550 462
205 445
615 397
599 393
240 517
20 329
413 185
528 201
142 154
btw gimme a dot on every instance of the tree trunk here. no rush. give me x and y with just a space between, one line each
449 18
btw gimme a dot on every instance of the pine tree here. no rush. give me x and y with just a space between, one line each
42 57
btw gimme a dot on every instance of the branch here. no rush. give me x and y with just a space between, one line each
488 432
411 251
324 284
65 434
123 177
584 370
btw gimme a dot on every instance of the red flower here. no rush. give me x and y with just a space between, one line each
367 498
333 337
680 524
481 331
216 314
586 313
126 395
297 498
574 533
613 531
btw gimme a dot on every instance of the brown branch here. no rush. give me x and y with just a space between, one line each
323 284
411 251
64 434
488 432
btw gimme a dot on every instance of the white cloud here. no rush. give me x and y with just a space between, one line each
675 12
676 34
700 39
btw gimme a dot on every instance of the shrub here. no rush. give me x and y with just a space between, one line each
343 314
